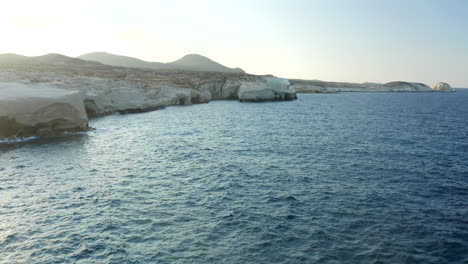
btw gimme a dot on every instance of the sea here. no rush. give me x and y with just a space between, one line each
328 178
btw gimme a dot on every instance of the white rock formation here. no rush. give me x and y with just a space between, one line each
266 89
220 90
108 89
39 109
103 96
316 86
442 87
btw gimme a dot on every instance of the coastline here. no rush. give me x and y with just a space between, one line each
107 89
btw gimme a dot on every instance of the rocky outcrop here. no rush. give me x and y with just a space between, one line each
39 110
54 93
407 87
110 89
267 89
225 89
316 86
442 87
108 96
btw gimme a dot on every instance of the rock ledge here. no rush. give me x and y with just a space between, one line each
442 87
267 89
39 110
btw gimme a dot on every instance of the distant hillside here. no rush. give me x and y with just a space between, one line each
8 58
48 59
124 61
197 62
192 62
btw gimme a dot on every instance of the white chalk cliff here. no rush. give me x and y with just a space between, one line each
316 86
39 109
442 87
52 93
108 89
267 89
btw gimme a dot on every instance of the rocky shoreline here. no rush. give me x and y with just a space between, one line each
110 89
40 110
316 86
51 94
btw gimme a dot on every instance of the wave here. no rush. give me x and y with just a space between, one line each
17 140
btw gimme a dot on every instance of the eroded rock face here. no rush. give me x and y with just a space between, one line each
108 89
220 90
400 86
39 110
267 89
316 86
442 87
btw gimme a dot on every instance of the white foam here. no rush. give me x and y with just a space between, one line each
17 140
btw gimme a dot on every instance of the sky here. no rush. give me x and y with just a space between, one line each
334 40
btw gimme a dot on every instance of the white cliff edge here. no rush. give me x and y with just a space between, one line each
267 89
316 86
39 110
442 87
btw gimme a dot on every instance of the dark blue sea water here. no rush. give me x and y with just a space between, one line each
329 178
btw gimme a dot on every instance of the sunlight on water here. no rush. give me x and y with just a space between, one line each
341 178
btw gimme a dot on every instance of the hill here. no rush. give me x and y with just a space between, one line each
123 61
197 62
48 59
191 62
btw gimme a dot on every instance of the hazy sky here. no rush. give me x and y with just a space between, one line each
348 40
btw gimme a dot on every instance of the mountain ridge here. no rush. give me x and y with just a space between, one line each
192 62
47 59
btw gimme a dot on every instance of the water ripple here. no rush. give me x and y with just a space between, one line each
347 178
